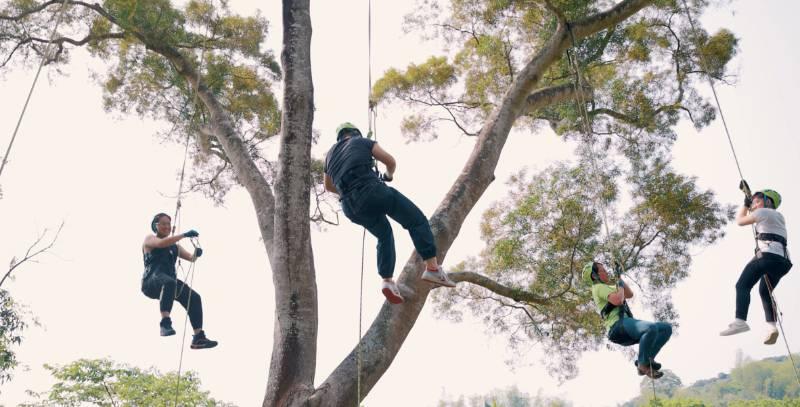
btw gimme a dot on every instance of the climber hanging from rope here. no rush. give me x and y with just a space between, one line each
367 201
160 280
622 328
770 263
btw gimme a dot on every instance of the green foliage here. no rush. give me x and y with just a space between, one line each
102 382
510 397
642 71
765 383
139 42
539 236
12 324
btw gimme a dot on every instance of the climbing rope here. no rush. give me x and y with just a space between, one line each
579 85
776 311
370 134
33 85
779 318
189 276
599 202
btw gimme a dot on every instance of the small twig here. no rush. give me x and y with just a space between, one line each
30 256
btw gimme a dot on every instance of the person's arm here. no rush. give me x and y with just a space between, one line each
381 155
617 297
743 218
184 254
154 242
329 185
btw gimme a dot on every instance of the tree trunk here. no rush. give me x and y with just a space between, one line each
294 351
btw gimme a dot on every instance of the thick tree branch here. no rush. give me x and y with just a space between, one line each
552 95
498 288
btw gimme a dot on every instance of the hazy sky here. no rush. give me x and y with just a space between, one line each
106 175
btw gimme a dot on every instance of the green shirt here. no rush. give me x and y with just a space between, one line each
600 294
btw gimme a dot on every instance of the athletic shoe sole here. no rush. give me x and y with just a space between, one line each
391 296
168 333
203 346
734 331
772 338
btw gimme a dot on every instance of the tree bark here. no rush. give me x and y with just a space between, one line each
294 351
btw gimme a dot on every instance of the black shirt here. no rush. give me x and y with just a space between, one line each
160 261
349 164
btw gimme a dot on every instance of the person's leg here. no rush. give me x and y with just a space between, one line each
750 275
648 336
663 331
192 303
776 267
165 288
411 218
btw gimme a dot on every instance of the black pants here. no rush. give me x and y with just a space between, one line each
168 290
370 208
768 265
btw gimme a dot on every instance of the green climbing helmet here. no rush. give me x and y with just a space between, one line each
773 195
345 126
587 273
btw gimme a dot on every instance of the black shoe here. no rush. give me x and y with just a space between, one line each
654 365
200 341
166 327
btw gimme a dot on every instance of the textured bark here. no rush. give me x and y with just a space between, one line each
294 351
388 332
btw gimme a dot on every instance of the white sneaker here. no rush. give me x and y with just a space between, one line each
438 277
391 292
736 327
772 336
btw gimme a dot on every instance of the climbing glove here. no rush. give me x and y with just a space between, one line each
745 188
191 233
198 251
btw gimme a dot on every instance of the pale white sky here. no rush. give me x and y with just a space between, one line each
106 176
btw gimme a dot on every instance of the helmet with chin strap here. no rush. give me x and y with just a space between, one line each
590 273
773 196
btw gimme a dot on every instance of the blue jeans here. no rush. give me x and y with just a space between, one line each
651 335
370 206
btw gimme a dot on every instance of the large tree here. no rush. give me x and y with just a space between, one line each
204 69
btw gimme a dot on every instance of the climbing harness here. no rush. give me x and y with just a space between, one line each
743 185
33 85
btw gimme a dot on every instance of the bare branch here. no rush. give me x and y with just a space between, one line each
32 252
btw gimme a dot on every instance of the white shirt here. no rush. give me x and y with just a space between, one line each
770 221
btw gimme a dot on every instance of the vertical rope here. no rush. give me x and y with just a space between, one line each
704 66
195 242
779 318
360 316
33 85
364 232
